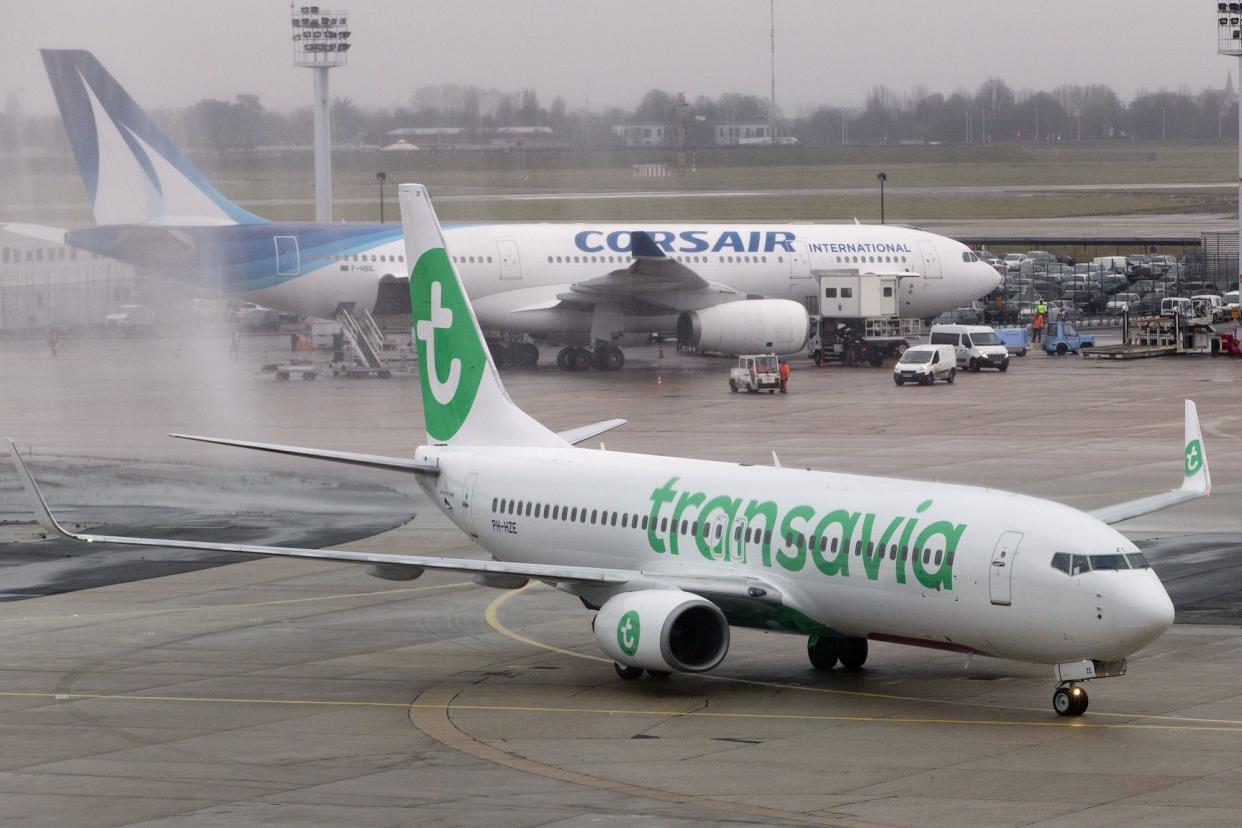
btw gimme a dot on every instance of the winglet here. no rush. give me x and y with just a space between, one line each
37 503
1195 465
642 246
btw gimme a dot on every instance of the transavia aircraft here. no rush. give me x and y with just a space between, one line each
591 287
672 552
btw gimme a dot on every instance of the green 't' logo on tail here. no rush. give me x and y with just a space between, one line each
450 353
1194 457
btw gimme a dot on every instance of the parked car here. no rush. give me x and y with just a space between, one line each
1040 256
131 320
1012 260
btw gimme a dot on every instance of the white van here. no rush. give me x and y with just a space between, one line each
925 364
976 346
1115 264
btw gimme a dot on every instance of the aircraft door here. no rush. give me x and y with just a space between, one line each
888 296
737 541
716 536
1000 580
799 265
510 261
288 260
931 261
467 503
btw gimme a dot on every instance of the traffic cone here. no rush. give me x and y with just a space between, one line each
658 380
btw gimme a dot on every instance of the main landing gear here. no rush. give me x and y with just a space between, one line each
634 673
1069 700
825 651
516 355
603 358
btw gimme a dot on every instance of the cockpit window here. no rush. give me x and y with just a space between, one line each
969 257
1078 564
1117 561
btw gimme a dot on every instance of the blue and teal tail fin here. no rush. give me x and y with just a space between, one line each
132 172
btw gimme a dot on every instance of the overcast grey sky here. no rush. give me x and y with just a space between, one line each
173 53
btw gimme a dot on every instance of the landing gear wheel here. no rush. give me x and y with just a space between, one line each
823 652
608 358
528 355
952 375
562 359
852 652
628 673
579 359
875 358
1070 701
500 355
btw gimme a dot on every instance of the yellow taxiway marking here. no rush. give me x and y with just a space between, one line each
493 619
609 711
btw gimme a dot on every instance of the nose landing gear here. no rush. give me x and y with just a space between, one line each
1069 700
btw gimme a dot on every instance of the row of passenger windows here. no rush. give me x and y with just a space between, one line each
626 520
874 259
1078 564
332 257
688 259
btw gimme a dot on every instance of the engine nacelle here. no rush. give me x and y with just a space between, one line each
750 326
662 629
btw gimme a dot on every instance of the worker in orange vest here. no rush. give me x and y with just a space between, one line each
1037 327
784 375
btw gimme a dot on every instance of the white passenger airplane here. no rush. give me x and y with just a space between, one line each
591 287
671 552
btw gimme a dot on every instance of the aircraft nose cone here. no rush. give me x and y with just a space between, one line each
1144 611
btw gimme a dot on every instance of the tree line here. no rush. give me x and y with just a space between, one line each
994 113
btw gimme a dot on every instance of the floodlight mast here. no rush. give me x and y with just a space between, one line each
320 42
1229 42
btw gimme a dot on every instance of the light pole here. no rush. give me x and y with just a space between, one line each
1229 42
882 177
320 42
380 176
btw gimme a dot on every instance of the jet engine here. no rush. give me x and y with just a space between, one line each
662 630
752 326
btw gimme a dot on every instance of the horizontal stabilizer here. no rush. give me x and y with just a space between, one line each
56 235
373 461
582 433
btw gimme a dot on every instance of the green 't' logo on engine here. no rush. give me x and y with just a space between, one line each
1194 457
450 353
627 633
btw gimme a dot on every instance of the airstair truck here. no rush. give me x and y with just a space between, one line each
858 320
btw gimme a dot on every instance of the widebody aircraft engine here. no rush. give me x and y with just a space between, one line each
753 326
662 630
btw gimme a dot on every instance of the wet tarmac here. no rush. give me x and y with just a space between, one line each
298 692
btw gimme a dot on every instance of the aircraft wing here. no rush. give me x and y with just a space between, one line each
651 274
1196 481
736 593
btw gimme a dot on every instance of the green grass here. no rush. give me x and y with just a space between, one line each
49 191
